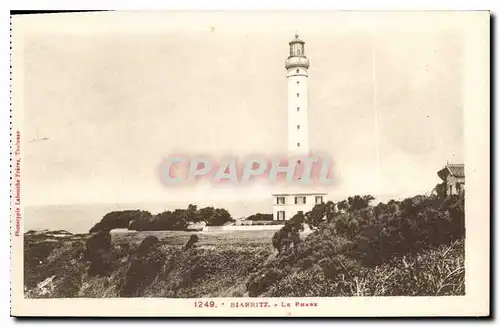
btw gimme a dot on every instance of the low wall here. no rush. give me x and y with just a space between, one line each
241 228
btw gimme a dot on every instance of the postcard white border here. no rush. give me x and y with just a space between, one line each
474 303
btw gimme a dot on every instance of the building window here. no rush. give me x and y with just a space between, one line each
319 199
458 187
280 200
281 215
451 190
298 109
300 200
297 71
298 83
298 126
298 144
297 95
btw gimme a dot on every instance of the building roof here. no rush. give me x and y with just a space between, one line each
299 194
456 170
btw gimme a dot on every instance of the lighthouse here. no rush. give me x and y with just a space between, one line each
288 204
296 66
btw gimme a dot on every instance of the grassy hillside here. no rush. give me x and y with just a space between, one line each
412 247
431 272
409 247
218 266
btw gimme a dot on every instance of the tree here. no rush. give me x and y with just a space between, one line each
206 213
342 206
219 218
440 190
176 220
359 202
119 219
260 217
367 200
214 217
193 215
355 244
320 213
289 235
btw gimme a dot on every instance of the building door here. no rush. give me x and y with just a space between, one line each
281 215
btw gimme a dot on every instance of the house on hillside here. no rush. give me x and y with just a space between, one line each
454 177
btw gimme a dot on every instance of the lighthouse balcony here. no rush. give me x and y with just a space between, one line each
294 61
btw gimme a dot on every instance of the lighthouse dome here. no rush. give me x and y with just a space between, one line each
297 57
296 40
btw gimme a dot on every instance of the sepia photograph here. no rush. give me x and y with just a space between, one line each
246 160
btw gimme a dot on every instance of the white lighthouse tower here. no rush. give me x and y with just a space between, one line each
287 204
296 66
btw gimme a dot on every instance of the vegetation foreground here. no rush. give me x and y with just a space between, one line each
409 247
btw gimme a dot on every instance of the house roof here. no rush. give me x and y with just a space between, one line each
456 170
299 194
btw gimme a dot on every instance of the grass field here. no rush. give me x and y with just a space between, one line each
211 238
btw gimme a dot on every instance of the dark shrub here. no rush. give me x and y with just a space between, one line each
179 219
100 241
320 213
143 269
63 268
97 251
260 282
120 219
147 245
192 240
35 254
289 235
356 238
260 216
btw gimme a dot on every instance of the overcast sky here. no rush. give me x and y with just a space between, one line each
114 93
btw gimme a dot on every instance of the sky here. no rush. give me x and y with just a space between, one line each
114 93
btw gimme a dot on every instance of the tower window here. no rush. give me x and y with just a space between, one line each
297 71
298 82
298 126
297 95
298 144
298 108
